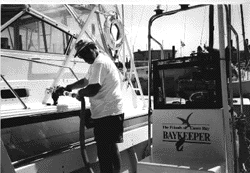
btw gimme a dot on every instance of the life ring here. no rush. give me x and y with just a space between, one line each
113 20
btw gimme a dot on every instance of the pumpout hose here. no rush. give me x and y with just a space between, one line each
82 137
55 95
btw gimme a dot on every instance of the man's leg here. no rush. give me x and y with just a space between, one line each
116 157
104 156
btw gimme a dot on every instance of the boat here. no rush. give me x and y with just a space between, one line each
39 133
195 127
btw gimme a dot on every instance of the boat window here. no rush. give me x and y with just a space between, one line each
31 140
191 82
60 13
7 93
28 33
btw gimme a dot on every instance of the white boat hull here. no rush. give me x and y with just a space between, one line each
133 148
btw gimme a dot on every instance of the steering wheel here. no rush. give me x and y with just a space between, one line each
198 96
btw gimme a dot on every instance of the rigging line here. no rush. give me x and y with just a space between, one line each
139 24
239 13
184 39
205 10
131 23
242 29
184 27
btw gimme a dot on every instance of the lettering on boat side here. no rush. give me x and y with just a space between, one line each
185 132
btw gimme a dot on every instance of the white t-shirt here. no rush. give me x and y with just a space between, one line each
108 101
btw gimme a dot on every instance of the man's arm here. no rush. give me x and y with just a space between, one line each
90 91
78 84
95 79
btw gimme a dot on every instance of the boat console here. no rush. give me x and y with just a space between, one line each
188 115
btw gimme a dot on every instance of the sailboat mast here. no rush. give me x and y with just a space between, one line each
124 59
243 33
211 26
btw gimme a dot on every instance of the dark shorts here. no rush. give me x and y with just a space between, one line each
109 129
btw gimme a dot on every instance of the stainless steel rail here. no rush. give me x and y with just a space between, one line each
159 13
14 92
30 60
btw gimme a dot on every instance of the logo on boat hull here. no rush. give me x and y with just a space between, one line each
185 132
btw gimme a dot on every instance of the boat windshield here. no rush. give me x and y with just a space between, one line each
29 33
187 83
61 14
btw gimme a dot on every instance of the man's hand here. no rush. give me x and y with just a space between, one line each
89 91
80 95
58 91
68 88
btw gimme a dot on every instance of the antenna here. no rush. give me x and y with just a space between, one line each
158 9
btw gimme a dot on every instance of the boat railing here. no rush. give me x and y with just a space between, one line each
14 92
39 62
239 68
30 60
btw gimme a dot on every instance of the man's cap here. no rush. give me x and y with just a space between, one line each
80 45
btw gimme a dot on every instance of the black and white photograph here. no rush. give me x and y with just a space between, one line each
125 86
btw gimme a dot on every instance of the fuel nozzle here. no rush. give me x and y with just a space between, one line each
58 91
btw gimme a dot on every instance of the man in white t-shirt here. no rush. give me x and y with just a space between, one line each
102 85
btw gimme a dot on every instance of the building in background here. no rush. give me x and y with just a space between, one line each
141 57
141 63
